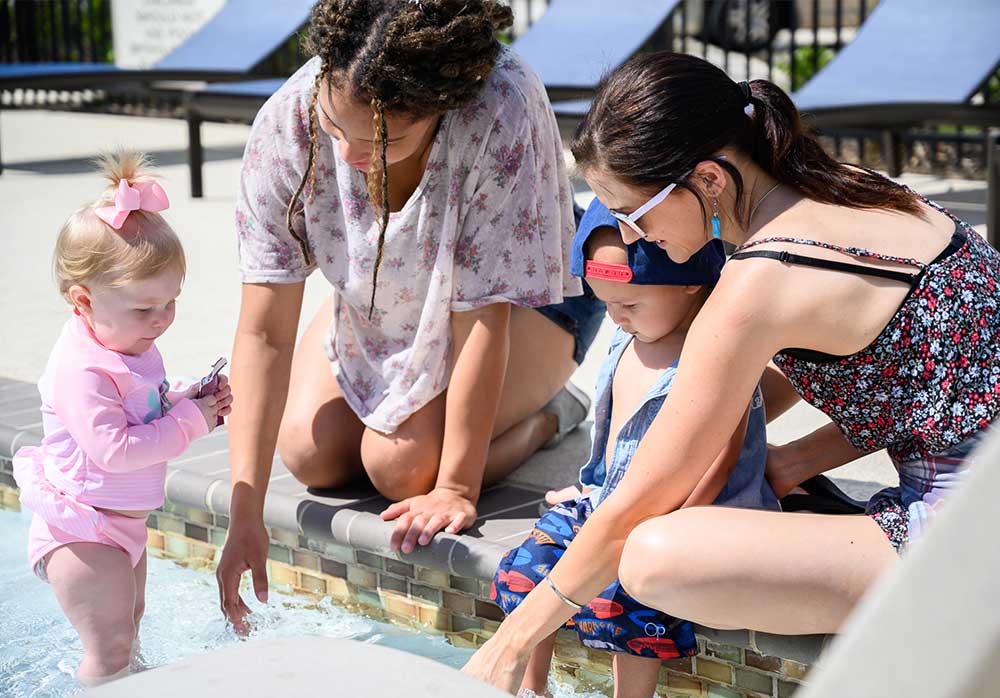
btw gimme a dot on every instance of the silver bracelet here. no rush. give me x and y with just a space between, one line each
562 597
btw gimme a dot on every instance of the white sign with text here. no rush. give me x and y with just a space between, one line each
147 30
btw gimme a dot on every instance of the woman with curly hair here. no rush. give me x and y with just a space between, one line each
416 162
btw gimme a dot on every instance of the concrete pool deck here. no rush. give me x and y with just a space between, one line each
262 670
330 543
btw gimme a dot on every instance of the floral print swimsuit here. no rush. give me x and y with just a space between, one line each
927 388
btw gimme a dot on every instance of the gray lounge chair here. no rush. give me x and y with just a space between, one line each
228 47
915 62
576 42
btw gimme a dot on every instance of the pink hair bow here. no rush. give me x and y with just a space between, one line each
144 196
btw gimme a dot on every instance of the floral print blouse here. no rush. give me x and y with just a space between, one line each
490 222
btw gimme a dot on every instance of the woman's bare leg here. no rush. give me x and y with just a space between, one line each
324 444
540 363
320 436
784 573
405 463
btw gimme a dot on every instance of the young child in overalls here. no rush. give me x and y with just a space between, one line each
653 301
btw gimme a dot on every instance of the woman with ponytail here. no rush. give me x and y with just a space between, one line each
846 290
417 163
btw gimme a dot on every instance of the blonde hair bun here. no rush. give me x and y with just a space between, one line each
89 251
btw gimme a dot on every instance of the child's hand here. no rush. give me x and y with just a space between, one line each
216 405
553 497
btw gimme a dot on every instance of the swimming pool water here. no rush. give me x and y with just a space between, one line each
39 649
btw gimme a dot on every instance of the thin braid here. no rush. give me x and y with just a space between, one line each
313 135
382 138
309 175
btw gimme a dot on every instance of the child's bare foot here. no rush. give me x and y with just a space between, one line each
95 681
528 693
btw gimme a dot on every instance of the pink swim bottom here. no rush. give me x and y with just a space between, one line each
126 533
60 519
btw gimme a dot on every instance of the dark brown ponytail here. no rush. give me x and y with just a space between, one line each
660 114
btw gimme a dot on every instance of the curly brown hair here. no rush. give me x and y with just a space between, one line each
406 57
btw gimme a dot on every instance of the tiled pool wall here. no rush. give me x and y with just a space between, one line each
438 602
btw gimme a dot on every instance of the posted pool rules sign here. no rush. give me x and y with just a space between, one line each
147 30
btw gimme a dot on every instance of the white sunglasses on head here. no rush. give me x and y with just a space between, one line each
632 219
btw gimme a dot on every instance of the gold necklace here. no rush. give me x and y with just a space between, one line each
759 202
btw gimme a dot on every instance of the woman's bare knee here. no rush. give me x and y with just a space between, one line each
309 462
400 469
319 438
667 540
405 463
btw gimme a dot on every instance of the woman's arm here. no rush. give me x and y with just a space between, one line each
261 367
797 461
779 395
480 351
824 449
480 347
262 362
725 354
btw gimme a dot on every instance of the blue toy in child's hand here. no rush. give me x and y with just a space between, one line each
210 383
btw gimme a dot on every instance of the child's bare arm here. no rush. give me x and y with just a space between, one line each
91 409
711 484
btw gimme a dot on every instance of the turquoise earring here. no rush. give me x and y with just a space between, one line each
716 223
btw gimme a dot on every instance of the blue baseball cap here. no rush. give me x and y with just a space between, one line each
647 264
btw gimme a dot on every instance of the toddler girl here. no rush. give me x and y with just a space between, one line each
110 424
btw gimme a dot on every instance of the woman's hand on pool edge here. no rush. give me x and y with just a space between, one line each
420 518
245 549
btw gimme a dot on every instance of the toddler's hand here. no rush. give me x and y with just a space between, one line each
553 497
216 405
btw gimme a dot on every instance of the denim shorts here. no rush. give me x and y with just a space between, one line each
581 316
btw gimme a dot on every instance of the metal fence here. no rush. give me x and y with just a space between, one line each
785 41
789 41
792 38
55 30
